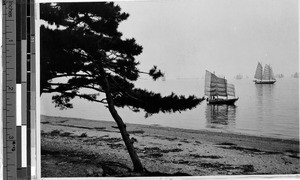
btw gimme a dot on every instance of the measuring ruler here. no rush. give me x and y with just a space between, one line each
19 114
9 48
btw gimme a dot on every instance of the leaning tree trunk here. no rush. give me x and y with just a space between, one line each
137 165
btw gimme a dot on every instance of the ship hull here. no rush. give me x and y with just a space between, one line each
222 101
264 82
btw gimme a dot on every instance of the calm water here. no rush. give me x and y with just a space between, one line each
262 110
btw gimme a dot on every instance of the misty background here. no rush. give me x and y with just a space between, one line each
226 36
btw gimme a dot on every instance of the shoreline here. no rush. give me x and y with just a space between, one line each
206 131
95 148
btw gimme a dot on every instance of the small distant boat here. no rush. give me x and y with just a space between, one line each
295 75
266 77
238 77
218 90
279 76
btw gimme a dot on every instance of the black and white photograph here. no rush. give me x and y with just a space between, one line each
169 88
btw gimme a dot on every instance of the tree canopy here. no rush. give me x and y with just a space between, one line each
85 47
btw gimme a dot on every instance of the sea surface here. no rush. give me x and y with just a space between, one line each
262 109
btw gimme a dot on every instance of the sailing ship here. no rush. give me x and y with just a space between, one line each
218 90
266 77
238 77
295 75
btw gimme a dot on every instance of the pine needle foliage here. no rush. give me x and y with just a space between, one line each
85 47
86 51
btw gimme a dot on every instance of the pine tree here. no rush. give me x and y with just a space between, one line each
87 48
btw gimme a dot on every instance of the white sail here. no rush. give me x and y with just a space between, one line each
230 90
214 86
207 83
258 72
272 77
268 73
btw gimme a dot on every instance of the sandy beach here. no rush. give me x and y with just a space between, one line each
73 147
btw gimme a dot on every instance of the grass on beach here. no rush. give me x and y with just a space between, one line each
82 148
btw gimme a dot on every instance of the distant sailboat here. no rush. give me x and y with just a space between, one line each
266 77
295 75
217 89
279 76
238 77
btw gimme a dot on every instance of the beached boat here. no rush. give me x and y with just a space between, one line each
264 77
218 91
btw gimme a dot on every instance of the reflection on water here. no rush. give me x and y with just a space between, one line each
264 100
264 90
220 116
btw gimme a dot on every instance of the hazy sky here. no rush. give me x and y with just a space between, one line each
226 36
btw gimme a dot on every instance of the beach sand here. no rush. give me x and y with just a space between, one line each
73 147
